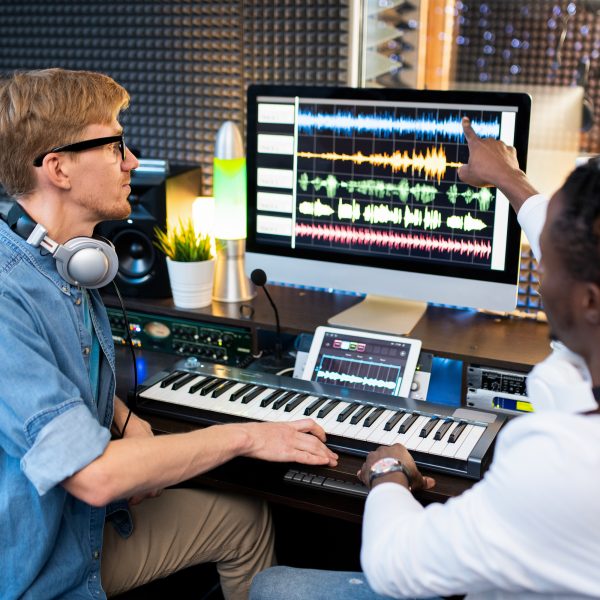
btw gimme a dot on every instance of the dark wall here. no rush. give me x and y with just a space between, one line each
186 64
538 42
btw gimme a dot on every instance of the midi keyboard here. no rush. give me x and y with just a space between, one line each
453 440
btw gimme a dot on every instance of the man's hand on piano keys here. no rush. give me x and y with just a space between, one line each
300 441
398 451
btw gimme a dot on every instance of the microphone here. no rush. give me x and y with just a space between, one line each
259 278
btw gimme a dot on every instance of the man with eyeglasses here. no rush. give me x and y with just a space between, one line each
64 159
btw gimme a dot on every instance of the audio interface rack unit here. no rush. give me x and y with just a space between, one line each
500 390
207 341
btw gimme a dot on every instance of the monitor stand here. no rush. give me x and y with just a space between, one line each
383 314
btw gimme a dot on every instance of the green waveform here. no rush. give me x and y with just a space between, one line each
421 192
377 188
483 197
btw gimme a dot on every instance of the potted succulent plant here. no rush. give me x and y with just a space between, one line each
190 263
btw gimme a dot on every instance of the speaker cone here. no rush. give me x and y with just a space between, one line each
136 254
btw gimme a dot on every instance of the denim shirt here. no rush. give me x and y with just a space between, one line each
51 426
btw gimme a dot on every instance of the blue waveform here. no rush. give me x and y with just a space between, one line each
385 124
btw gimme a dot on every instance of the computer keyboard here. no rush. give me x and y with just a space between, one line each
329 484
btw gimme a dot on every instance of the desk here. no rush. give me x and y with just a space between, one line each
466 335
463 334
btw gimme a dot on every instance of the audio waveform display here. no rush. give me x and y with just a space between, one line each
433 163
355 379
403 190
386 124
359 373
395 241
483 197
378 214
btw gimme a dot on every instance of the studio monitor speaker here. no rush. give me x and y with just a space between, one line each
142 268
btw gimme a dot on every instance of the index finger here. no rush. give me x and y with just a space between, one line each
468 130
309 426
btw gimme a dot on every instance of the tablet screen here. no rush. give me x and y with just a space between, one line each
363 360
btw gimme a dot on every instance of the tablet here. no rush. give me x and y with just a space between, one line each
363 360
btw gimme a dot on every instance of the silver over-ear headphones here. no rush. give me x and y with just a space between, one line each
85 261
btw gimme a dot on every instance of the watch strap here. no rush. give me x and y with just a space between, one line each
397 468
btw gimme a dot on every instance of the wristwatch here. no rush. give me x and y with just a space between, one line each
386 465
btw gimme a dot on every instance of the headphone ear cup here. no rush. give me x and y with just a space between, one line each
89 262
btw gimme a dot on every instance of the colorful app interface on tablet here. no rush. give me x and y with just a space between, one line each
369 364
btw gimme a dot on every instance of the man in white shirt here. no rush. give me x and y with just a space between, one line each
531 526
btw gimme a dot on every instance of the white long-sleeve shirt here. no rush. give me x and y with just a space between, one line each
530 527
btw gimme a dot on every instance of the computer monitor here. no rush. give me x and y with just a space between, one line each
357 189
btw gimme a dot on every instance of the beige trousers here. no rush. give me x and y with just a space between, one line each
185 527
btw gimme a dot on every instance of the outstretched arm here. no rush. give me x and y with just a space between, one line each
493 163
134 466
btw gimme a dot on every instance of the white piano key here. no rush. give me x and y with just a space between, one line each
439 446
330 423
336 427
465 450
390 437
255 410
452 449
426 443
298 412
377 434
226 406
412 435
354 431
365 432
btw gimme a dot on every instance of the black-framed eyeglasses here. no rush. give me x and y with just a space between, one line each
85 145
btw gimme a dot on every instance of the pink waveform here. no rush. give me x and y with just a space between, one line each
428 243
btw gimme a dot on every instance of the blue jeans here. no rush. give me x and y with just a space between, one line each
285 583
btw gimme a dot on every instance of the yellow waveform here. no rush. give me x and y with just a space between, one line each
433 162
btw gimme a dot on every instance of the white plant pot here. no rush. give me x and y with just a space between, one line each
191 282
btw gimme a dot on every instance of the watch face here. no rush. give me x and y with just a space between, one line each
384 464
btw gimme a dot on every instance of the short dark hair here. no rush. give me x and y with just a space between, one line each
576 231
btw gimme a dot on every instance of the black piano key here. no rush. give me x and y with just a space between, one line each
314 406
441 432
271 398
373 417
393 420
408 423
239 393
327 409
290 406
426 429
347 411
283 400
223 388
169 379
201 384
357 417
184 381
251 395
207 389
456 432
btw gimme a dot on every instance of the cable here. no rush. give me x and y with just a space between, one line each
130 341
284 371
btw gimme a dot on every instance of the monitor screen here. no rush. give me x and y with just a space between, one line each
357 189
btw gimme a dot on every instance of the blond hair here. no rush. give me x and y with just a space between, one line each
43 109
